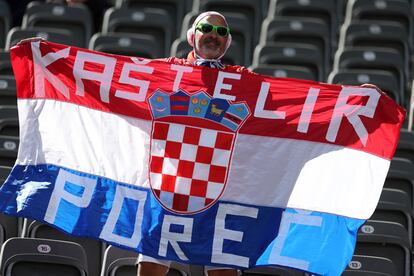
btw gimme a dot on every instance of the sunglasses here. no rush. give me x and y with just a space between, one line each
206 28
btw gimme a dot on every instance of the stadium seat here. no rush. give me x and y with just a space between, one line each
128 44
312 31
364 273
375 33
280 271
117 262
385 80
176 9
401 176
121 262
395 206
76 19
322 9
7 90
4 173
371 58
5 64
5 22
405 147
284 71
235 55
382 34
9 225
369 264
8 150
411 109
149 21
281 53
25 256
388 240
54 35
384 10
93 248
9 122
180 48
240 37
253 10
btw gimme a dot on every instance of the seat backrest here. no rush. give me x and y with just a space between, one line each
175 8
253 10
371 58
298 30
180 48
4 173
25 256
281 53
384 10
401 176
128 44
411 108
388 240
284 71
9 146
93 248
322 9
8 90
54 35
5 21
5 64
121 262
375 33
367 264
394 205
384 34
385 80
149 21
235 55
405 147
77 19
117 262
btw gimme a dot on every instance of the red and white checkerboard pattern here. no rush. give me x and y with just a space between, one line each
189 165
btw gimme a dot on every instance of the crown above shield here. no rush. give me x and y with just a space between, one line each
200 105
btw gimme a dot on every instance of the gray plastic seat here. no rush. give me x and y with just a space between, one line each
128 44
76 19
148 21
281 53
28 256
5 22
93 248
54 35
388 240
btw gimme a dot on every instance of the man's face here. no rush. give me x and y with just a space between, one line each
210 45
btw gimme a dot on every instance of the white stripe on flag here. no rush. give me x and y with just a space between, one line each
264 171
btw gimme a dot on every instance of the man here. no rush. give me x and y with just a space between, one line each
210 38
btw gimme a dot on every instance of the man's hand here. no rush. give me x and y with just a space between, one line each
31 39
369 85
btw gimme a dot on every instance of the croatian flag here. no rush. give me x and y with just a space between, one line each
195 164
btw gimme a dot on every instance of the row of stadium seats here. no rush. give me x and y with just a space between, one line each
381 247
331 12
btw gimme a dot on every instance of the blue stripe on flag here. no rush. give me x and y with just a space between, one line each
128 216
